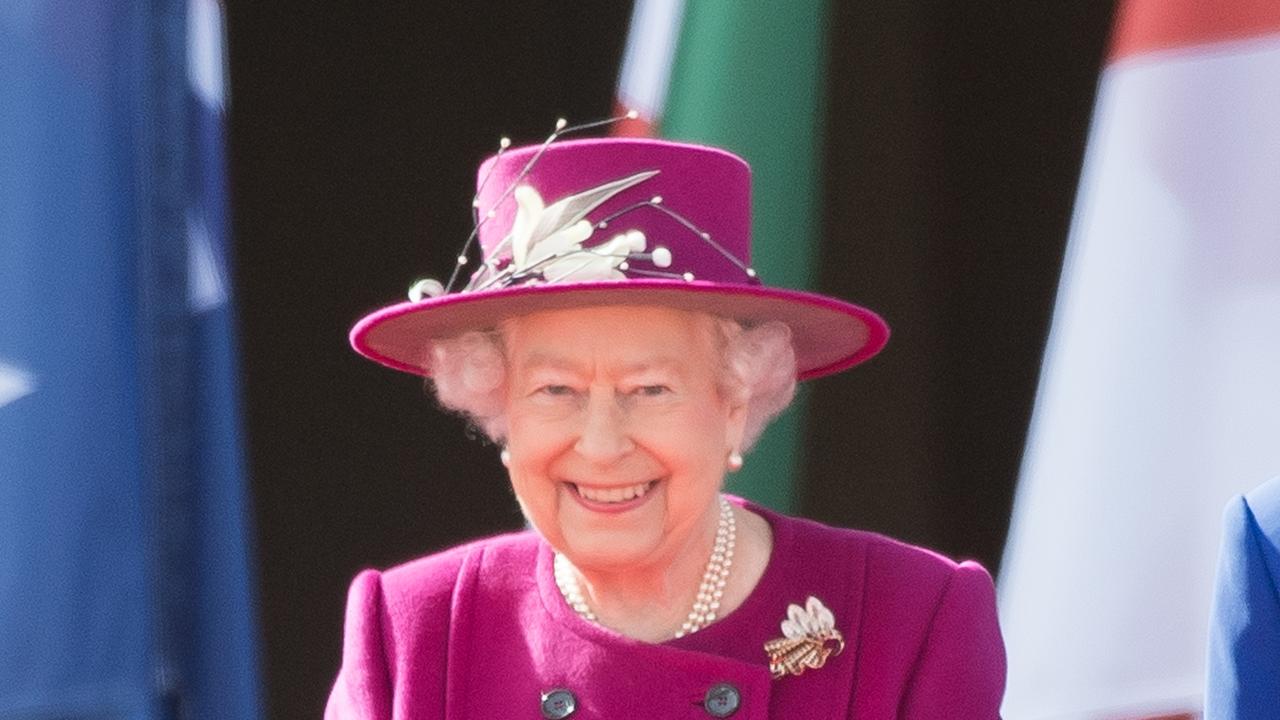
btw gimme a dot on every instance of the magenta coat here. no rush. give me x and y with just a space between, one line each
481 631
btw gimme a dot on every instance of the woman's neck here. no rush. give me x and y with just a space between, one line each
652 604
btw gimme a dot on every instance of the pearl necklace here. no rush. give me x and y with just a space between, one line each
710 590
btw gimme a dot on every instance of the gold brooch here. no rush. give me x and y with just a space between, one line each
809 637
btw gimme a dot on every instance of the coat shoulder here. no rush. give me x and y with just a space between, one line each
398 625
1262 512
889 566
432 580
895 563
907 586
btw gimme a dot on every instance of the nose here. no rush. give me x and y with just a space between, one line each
604 437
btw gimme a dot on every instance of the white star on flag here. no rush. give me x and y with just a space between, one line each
206 62
14 384
206 278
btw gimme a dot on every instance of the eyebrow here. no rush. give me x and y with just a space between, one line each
537 360
540 359
659 363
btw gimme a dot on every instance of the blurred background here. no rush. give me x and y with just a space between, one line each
198 199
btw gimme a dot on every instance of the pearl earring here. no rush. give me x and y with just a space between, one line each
735 461
505 457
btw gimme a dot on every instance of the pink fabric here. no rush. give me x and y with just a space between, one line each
709 186
706 185
480 631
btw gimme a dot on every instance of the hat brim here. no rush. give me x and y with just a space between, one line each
829 335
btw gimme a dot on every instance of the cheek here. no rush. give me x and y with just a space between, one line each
536 496
693 444
533 446
535 437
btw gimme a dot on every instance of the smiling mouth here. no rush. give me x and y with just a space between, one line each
614 495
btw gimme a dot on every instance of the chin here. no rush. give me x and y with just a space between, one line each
610 550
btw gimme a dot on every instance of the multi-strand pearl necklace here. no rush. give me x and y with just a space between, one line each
710 590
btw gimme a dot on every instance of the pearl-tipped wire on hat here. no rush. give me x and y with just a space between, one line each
561 130
656 203
706 603
488 276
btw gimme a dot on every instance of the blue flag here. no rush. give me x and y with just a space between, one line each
125 571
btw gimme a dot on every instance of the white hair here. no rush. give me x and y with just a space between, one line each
468 373
757 368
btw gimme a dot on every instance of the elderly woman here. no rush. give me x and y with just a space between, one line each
616 344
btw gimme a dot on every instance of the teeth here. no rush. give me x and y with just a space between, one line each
614 495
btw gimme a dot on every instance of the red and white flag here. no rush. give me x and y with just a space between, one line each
1160 392
646 65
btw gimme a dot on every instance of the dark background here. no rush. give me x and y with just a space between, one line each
954 131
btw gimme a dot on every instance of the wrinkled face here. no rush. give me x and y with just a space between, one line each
618 432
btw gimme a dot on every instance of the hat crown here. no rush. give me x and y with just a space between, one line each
614 221
691 201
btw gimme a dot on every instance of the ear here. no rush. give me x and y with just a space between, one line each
736 422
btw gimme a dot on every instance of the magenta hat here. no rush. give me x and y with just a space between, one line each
615 221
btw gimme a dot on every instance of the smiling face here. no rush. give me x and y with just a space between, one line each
618 431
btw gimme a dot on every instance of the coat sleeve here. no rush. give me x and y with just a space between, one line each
363 688
1244 626
960 672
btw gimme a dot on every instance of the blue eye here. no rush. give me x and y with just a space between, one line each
556 390
652 390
